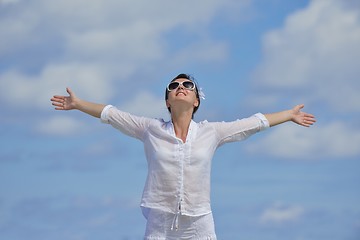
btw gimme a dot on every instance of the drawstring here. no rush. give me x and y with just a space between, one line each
175 223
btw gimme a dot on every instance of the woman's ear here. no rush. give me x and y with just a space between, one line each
196 103
167 104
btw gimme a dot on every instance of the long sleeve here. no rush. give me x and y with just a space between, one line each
240 129
127 123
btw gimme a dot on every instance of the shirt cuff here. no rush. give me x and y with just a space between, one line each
265 123
104 114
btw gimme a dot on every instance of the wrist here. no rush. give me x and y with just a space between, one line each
291 115
77 103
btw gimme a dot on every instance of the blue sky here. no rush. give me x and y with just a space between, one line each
64 175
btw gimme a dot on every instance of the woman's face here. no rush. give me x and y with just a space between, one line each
184 93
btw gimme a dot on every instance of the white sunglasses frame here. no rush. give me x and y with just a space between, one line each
181 84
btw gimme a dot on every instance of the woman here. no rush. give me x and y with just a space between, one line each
176 196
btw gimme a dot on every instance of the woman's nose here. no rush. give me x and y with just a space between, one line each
181 86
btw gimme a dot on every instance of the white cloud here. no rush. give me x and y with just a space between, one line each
8 1
279 214
91 45
60 125
146 104
315 53
329 141
26 91
205 51
312 59
129 29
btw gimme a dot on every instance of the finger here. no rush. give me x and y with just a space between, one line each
69 91
311 122
59 96
308 123
58 100
299 107
60 105
309 115
310 118
304 124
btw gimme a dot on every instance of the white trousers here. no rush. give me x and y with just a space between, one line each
160 226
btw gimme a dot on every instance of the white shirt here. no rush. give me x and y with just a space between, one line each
179 172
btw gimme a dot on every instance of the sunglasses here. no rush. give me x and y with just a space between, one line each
188 85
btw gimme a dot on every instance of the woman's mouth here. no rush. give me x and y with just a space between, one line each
180 93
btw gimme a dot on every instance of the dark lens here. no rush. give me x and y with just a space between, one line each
173 86
188 85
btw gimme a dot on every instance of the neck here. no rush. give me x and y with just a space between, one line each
181 122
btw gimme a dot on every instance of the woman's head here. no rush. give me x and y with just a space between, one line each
186 86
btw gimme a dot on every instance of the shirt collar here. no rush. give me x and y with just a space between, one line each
192 129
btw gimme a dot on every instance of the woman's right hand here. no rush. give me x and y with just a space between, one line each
64 102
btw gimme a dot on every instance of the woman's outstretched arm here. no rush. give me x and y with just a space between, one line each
295 115
72 102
